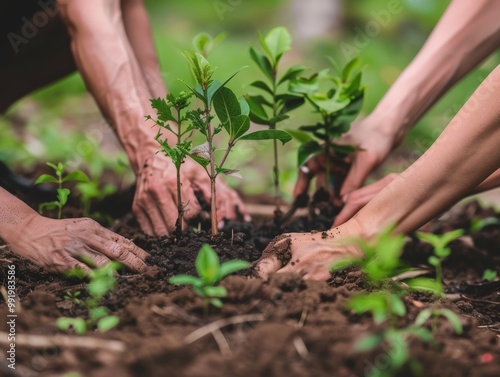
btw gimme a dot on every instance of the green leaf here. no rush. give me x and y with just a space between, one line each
425 285
53 166
304 85
434 261
397 305
62 195
203 42
300 136
282 136
46 178
239 126
479 224
226 105
262 85
107 323
245 107
344 149
217 85
162 109
257 112
215 291
453 319
369 342
64 323
76 176
98 312
292 73
290 102
207 264
349 69
185 279
232 266
489 275
216 302
263 63
79 325
278 41
422 317
308 150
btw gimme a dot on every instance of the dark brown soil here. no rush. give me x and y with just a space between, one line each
283 327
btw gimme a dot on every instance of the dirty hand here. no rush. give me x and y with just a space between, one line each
360 197
59 245
155 201
374 146
310 254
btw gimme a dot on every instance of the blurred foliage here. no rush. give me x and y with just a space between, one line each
176 22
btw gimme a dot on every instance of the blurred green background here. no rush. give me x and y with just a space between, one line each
56 117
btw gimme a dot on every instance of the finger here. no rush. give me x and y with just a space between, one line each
143 219
267 266
321 275
320 181
303 182
97 259
346 213
360 169
163 213
191 205
239 207
63 263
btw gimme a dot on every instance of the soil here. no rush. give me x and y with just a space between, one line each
282 327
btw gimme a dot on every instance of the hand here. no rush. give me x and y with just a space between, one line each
59 245
155 201
310 254
358 198
375 145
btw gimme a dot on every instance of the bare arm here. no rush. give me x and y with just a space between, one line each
466 34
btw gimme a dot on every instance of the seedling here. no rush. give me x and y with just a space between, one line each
233 115
489 275
276 102
398 353
211 272
73 297
90 191
441 250
173 110
102 280
338 100
62 192
477 225
435 314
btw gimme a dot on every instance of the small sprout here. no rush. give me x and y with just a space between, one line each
489 275
211 272
338 99
452 318
73 297
90 191
273 105
441 250
477 225
62 192
102 281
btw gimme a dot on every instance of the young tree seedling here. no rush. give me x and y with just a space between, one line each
338 99
102 281
233 115
170 111
441 250
277 101
435 314
210 272
62 192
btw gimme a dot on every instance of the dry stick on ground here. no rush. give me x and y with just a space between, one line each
41 341
478 300
176 312
298 342
214 329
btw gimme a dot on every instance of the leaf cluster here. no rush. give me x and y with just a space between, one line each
338 99
102 281
210 272
276 101
62 192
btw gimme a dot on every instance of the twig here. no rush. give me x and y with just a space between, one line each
300 347
175 311
222 343
302 319
477 300
217 325
41 341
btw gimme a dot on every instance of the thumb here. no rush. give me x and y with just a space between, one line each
360 169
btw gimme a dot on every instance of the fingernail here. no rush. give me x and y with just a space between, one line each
220 224
248 218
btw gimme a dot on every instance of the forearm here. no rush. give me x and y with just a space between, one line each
138 29
13 213
467 33
463 156
112 73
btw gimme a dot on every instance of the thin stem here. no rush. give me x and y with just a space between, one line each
230 145
59 204
327 166
276 172
180 205
212 175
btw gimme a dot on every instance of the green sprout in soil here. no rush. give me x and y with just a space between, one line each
435 314
441 250
338 99
276 102
210 272
173 110
102 281
477 225
91 191
489 275
62 192
233 117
